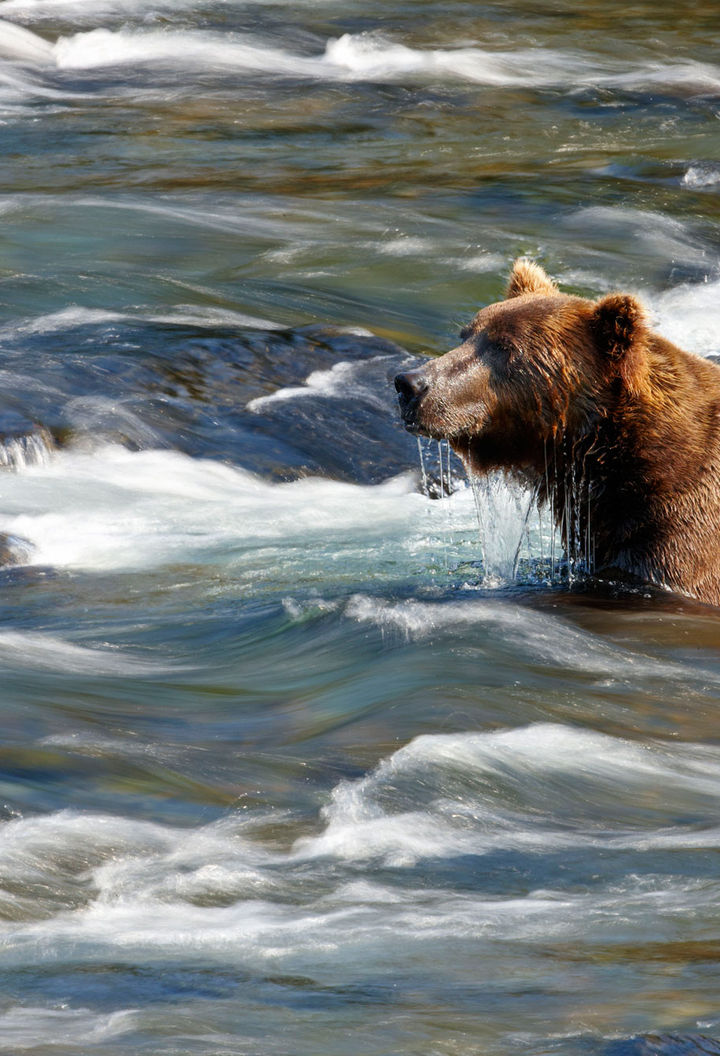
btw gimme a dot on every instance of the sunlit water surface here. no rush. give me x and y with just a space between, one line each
289 764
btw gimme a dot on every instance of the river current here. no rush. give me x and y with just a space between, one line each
289 765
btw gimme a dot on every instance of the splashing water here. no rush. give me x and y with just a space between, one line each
503 511
22 451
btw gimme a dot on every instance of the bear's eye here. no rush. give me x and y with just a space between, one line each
505 350
501 355
465 333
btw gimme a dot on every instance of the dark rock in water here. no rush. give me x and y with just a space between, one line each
13 550
341 419
665 1045
282 404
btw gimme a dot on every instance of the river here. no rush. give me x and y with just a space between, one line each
289 765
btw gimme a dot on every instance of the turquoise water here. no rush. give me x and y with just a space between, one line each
288 765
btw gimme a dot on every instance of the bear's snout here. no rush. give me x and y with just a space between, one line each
411 386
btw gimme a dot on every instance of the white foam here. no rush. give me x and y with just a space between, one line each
343 379
699 176
351 57
55 849
364 57
369 56
116 509
21 45
376 929
445 795
121 888
689 315
108 837
191 49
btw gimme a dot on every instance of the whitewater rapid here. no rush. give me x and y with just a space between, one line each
350 57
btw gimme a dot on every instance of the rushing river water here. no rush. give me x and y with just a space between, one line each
284 772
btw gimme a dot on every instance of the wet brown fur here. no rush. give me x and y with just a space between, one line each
582 400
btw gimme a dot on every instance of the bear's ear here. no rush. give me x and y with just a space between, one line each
527 277
619 324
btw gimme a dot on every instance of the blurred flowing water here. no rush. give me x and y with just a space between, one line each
285 770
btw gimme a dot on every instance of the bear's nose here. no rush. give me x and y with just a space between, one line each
411 384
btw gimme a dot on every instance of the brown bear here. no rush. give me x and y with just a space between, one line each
617 429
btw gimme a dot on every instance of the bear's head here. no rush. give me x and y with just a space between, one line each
535 368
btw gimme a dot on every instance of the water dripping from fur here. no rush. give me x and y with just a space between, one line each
527 534
539 534
567 494
503 510
436 473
